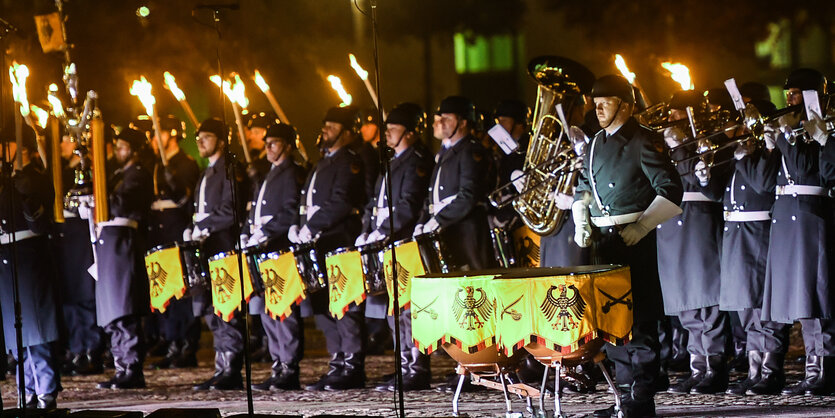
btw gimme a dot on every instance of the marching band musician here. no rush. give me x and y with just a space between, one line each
458 186
797 281
24 250
170 215
514 117
629 187
122 294
331 200
410 167
745 239
275 209
367 149
689 249
216 226
256 129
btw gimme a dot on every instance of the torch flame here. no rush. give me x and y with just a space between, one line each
55 102
18 74
680 74
171 83
360 71
41 116
142 89
336 83
259 80
239 92
620 63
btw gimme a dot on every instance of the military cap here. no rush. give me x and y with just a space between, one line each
214 126
135 138
348 117
683 99
755 91
515 109
283 131
613 86
409 115
806 79
458 105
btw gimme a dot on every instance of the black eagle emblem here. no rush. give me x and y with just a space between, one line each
564 307
338 282
471 311
273 285
156 277
224 284
402 277
528 252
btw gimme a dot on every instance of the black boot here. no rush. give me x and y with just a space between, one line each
188 355
47 401
219 368
230 378
698 368
680 357
625 392
387 385
815 380
716 378
174 348
288 379
89 363
755 361
131 376
772 377
334 370
267 384
353 373
740 360
420 374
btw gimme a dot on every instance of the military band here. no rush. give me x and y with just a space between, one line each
733 223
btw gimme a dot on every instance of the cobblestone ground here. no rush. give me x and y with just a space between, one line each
172 389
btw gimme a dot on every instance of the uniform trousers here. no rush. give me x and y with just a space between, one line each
706 327
228 336
406 341
346 335
818 336
178 322
285 338
82 332
127 342
763 336
39 369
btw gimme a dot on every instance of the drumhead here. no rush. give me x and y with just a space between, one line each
221 256
271 255
403 241
339 251
528 272
160 248
373 247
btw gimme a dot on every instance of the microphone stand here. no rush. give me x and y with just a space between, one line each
233 181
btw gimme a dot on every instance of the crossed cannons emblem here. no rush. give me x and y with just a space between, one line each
616 301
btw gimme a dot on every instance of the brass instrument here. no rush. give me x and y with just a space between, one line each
551 161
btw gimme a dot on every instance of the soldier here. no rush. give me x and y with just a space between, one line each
514 117
689 249
458 187
256 128
797 281
367 150
274 211
170 215
410 168
216 227
26 196
629 187
329 215
122 294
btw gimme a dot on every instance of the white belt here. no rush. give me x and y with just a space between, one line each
435 208
163 204
6 238
798 189
613 220
749 216
120 221
70 214
694 197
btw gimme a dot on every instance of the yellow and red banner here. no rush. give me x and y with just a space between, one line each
283 286
409 265
50 34
526 245
346 281
165 277
226 285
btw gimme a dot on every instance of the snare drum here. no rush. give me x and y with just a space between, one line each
226 282
434 254
311 267
166 275
503 247
252 256
372 267
196 264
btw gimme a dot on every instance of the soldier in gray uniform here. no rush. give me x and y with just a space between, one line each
628 187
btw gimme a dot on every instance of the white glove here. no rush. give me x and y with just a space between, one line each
418 230
582 223
375 236
431 225
361 240
84 211
518 179
199 234
674 136
701 172
293 234
187 235
816 128
742 150
564 201
770 136
304 235
244 240
659 211
256 238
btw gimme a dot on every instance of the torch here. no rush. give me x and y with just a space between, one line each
55 147
41 120
236 95
680 74
620 63
142 89
171 84
364 76
337 86
17 75
265 88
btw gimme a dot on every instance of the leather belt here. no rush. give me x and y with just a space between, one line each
6 238
747 216
613 220
799 189
695 197
119 221
163 204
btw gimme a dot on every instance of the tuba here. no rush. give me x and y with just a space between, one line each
551 162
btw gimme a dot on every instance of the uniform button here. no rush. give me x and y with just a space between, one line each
779 173
441 188
742 207
727 189
659 226
611 230
607 207
101 241
726 228
679 223
4 221
742 187
724 208
263 202
794 218
314 190
774 221
776 197
611 185
5 261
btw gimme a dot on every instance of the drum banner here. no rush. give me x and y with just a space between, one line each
409 265
460 311
526 244
226 286
283 286
165 276
346 282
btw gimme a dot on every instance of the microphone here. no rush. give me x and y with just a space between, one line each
215 6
